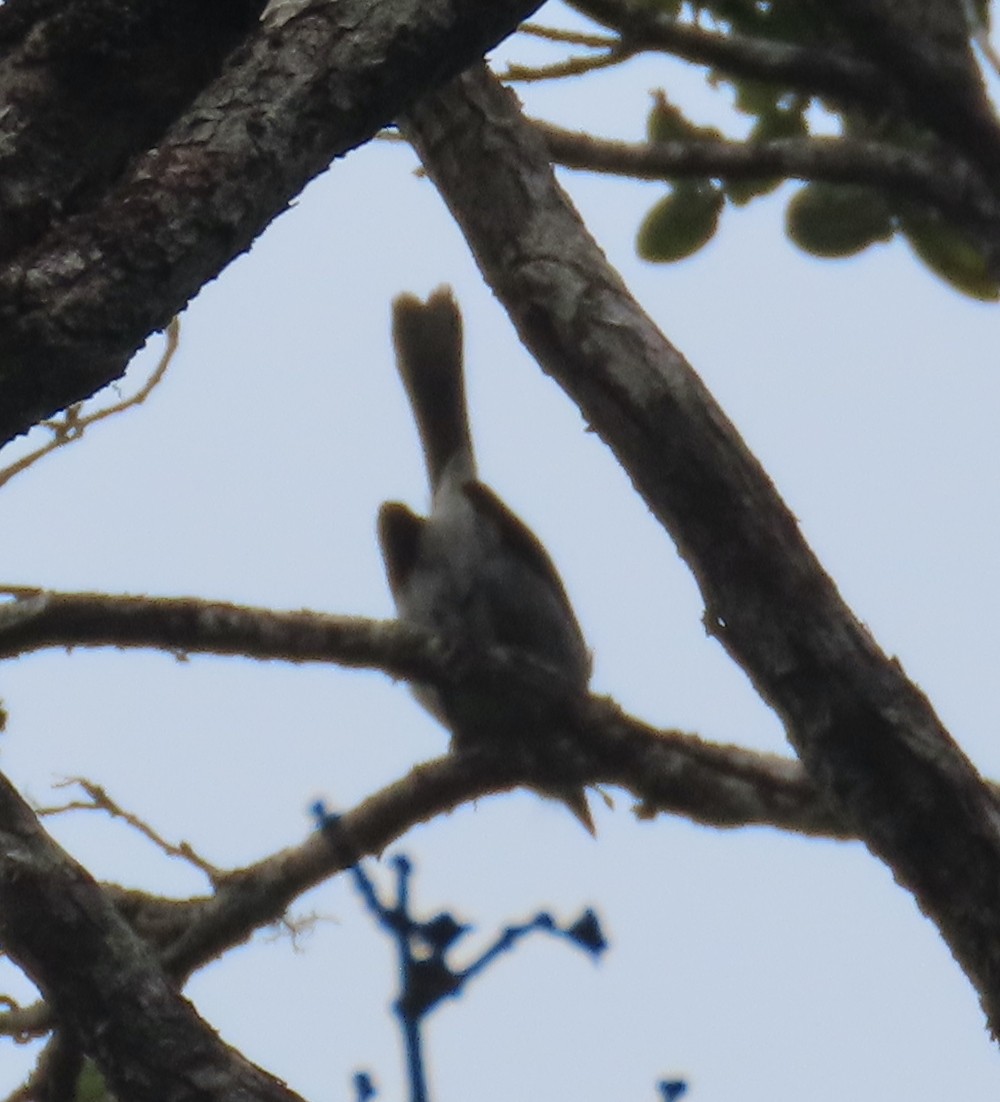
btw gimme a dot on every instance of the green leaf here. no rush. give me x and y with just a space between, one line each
741 192
836 220
781 122
773 121
951 254
667 123
90 1086
680 223
755 97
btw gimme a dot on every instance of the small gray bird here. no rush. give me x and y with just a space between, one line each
472 572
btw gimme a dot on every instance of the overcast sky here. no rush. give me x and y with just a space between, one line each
758 966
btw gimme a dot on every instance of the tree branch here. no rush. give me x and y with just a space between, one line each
103 984
86 84
71 425
666 770
868 737
925 49
716 785
947 185
719 785
824 71
306 87
181 625
887 60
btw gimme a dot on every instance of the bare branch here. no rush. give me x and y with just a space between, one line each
570 67
182 625
684 771
617 749
613 51
667 771
574 38
718 785
947 185
99 800
614 748
23 1022
729 786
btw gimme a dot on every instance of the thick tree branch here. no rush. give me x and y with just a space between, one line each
924 47
868 736
39 619
947 185
309 85
86 84
103 984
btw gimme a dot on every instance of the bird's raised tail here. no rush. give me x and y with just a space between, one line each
428 340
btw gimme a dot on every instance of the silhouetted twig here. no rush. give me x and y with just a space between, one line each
426 976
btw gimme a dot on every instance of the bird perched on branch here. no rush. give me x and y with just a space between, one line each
471 571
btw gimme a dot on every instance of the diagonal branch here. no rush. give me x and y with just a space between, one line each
103 984
735 786
712 784
305 88
925 48
88 84
868 737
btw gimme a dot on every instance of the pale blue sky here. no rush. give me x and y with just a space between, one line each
760 967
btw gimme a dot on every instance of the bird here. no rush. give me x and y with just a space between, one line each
471 571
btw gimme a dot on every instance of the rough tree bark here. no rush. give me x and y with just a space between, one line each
314 80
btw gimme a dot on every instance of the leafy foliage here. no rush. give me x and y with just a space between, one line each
682 222
842 208
950 254
834 220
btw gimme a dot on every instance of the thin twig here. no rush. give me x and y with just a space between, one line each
71 425
574 38
570 67
99 800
